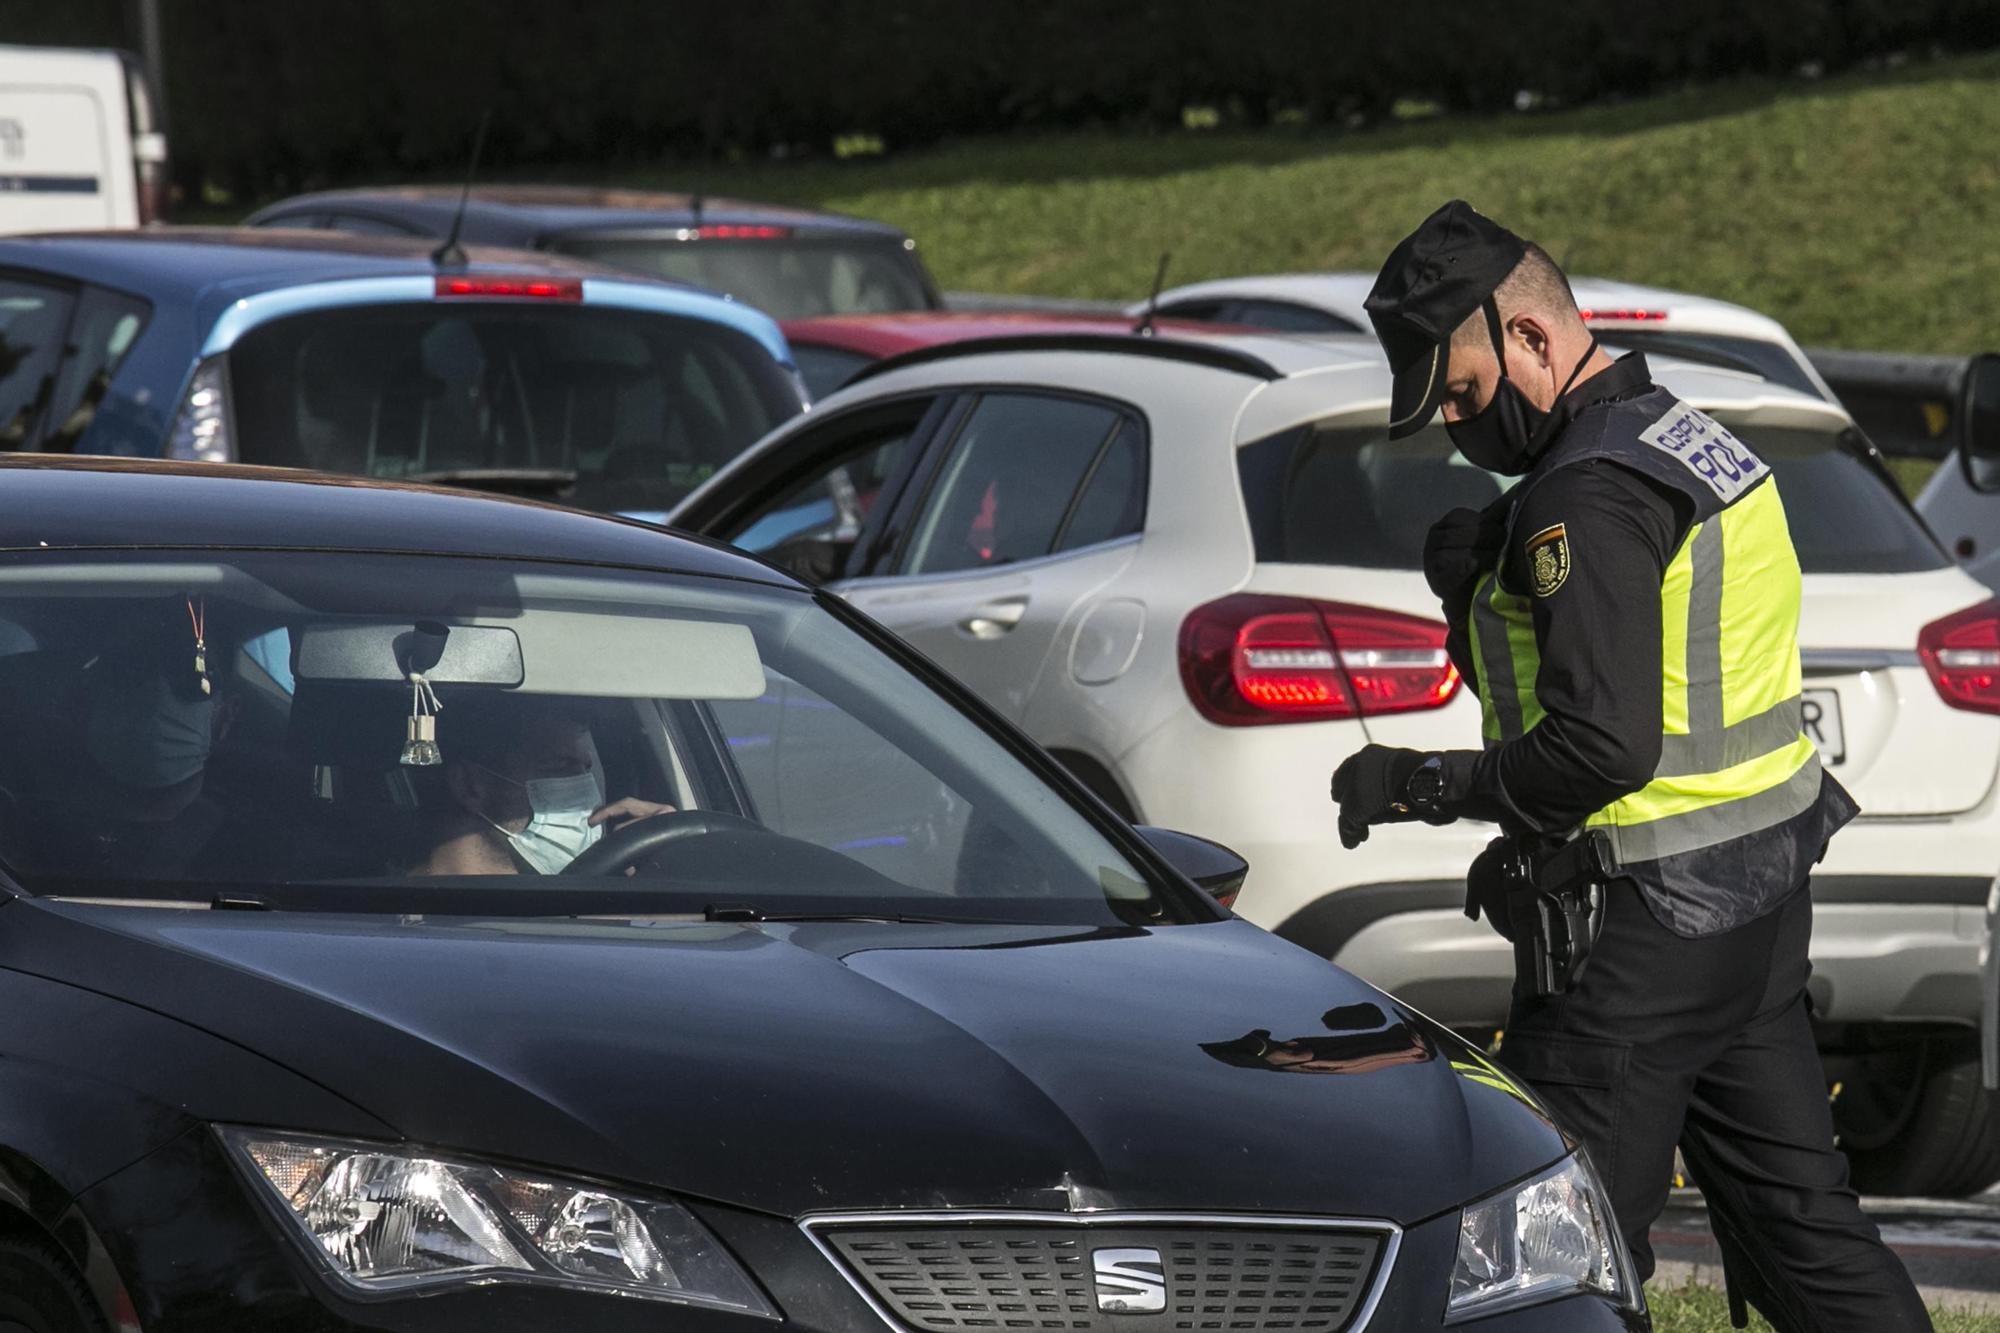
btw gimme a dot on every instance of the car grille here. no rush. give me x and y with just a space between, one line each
1217 1279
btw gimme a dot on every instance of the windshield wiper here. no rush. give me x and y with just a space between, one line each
505 480
747 912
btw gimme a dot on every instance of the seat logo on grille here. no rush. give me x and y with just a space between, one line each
1129 1281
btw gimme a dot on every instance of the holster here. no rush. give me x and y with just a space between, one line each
1555 906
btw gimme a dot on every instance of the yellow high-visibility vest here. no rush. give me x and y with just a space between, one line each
1734 758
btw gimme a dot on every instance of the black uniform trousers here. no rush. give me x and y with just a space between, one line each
1706 1043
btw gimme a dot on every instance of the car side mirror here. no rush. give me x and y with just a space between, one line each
1979 423
1210 865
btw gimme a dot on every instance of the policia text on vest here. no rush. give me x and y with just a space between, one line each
1628 614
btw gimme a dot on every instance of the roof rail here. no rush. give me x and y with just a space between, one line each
1161 348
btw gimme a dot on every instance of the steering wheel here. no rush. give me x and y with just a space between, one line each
636 842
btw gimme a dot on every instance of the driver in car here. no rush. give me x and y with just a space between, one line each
526 791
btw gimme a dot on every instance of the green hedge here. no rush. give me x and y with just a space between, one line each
270 95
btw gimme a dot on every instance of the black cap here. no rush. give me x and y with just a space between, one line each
1431 282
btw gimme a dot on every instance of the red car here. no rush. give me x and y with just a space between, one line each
831 348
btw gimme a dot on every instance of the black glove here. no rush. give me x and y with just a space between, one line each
1460 547
1486 887
1369 785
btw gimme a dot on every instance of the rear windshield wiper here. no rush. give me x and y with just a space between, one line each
506 480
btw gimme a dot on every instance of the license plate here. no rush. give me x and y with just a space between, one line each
1822 723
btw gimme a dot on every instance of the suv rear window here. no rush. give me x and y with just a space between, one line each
602 408
1767 360
1323 496
787 278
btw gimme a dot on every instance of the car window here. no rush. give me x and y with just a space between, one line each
1288 317
34 320
820 509
1354 497
786 276
1112 503
103 329
1205 310
1009 483
281 752
361 225
825 369
296 221
1767 360
618 409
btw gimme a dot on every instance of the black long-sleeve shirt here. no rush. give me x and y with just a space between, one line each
1599 634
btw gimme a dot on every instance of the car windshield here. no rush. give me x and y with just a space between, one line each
603 408
1324 496
786 277
239 726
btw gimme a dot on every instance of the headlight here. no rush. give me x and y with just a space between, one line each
385 1219
1547 1238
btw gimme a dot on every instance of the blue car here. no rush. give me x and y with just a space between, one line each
531 374
788 261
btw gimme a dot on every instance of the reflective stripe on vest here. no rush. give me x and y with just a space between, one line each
1734 758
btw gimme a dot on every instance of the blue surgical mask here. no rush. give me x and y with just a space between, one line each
559 829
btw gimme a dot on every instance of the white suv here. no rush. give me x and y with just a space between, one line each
1189 567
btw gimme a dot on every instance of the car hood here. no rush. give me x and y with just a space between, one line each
795 1068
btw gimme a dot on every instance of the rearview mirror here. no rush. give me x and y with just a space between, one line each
1210 865
1979 423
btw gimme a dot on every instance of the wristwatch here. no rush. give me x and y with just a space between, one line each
1426 785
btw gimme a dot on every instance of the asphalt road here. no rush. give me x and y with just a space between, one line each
1952 1247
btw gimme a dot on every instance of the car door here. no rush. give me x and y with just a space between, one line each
1030 502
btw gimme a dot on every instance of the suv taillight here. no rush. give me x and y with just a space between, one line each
1250 659
1962 653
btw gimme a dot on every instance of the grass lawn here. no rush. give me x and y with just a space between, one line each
1861 211
1692 1309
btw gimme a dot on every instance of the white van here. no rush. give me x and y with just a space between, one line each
79 147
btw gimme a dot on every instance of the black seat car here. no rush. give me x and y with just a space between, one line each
788 262
431 911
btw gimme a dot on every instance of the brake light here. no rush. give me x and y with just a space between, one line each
740 231
529 289
1622 316
1250 659
1962 654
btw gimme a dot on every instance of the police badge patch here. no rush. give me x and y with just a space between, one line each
1548 559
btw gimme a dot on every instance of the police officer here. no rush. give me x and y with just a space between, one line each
1629 614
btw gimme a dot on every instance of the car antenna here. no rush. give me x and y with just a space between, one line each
696 200
451 253
1144 328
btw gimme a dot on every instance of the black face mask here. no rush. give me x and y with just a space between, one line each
1509 433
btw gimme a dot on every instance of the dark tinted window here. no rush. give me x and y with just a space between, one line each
1113 502
1347 497
34 319
1208 310
102 331
1008 485
367 226
609 409
825 369
787 277
1286 317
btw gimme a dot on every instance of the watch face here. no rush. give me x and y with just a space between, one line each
1427 783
